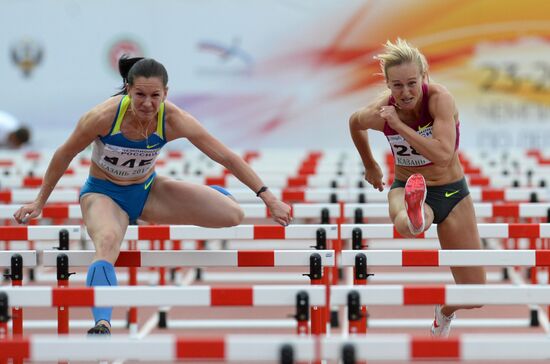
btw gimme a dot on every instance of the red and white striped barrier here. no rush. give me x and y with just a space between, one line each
449 258
402 347
233 348
289 324
25 195
262 232
482 210
197 258
478 194
392 295
463 294
177 232
495 230
28 257
162 296
313 210
38 232
64 211
268 348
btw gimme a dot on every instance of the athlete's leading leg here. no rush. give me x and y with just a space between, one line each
106 223
180 202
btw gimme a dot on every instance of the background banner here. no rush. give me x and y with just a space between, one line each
279 73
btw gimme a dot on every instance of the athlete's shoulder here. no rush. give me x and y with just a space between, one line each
102 115
173 113
437 90
171 108
441 100
178 122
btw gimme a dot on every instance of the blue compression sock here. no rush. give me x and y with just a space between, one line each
101 273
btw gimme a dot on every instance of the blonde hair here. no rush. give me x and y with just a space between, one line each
401 52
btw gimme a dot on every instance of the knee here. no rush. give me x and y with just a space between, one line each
107 245
404 231
400 223
235 216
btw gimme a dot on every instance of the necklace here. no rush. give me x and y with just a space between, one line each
144 132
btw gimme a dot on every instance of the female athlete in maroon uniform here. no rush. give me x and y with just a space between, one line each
420 121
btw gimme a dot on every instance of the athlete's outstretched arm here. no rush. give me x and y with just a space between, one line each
84 133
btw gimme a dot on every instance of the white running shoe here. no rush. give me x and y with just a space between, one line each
415 195
441 326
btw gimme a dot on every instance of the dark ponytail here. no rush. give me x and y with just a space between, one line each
130 68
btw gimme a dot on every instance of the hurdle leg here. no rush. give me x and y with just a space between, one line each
17 312
17 281
132 281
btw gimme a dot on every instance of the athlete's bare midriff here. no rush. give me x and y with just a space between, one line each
97 172
433 174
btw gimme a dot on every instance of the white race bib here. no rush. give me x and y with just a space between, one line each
404 153
124 162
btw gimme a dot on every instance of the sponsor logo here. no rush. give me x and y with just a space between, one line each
422 128
449 194
152 146
149 183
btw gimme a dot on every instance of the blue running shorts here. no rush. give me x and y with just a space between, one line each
130 198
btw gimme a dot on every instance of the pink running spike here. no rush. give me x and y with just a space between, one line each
415 195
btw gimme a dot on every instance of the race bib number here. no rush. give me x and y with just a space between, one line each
127 162
405 154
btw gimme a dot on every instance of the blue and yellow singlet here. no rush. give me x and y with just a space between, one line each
127 159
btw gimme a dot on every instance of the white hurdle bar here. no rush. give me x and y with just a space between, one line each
493 230
269 348
403 347
176 232
194 296
197 258
478 194
482 209
314 210
391 295
463 294
269 232
28 256
286 258
449 258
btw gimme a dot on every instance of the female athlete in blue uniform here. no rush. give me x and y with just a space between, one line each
128 132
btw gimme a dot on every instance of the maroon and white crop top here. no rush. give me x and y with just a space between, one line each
403 153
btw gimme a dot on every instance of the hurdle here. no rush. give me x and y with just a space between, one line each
298 194
486 230
262 232
313 210
15 260
285 349
198 258
448 258
176 232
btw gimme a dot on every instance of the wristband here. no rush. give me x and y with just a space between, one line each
262 189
